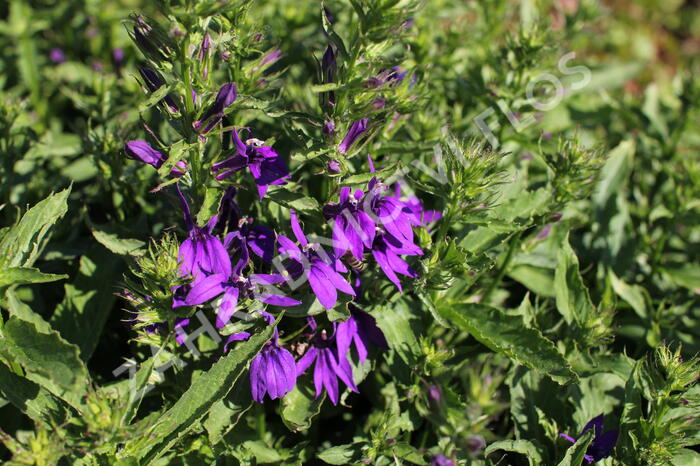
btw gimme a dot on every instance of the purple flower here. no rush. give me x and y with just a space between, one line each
153 82
266 166
118 55
269 59
395 235
353 228
234 287
602 444
201 254
413 206
57 56
360 329
225 97
328 65
441 460
142 150
356 130
330 365
272 371
259 239
333 167
204 48
321 272
328 128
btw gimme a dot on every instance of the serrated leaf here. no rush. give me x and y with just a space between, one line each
23 242
47 360
573 301
88 300
576 452
33 400
300 406
524 447
226 413
508 335
26 275
22 311
197 401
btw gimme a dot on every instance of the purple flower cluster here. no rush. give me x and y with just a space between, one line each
329 353
222 260
372 222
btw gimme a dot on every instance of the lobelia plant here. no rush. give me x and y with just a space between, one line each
371 232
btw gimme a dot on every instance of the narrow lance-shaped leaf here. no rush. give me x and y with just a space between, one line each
197 401
21 245
508 335
26 275
573 300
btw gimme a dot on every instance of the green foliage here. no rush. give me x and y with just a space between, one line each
561 282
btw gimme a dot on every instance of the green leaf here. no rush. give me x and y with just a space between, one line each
632 294
197 401
508 335
341 454
262 452
573 300
22 311
121 246
33 400
26 275
210 206
614 174
364 178
88 300
47 359
21 245
300 406
226 413
396 322
293 200
576 452
525 447
687 276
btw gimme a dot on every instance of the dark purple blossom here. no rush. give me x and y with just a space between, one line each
356 130
225 97
153 82
603 442
259 239
395 233
142 151
269 60
361 330
201 254
333 167
319 267
118 55
273 371
233 287
441 460
328 128
330 365
57 56
204 48
266 165
353 228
